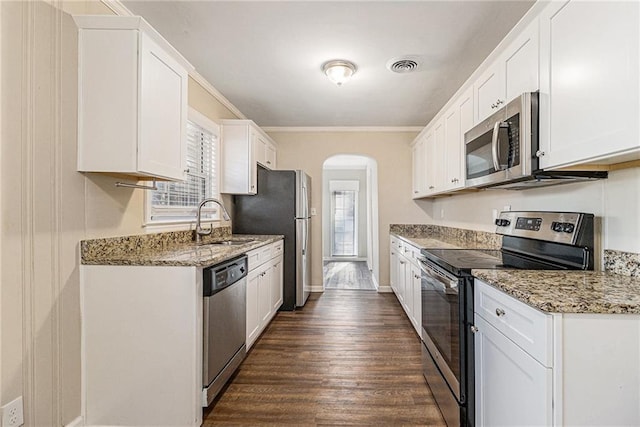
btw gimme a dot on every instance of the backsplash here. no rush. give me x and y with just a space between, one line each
480 238
112 247
623 263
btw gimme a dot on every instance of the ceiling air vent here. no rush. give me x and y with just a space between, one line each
403 65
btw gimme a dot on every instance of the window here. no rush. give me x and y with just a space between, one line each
178 201
344 208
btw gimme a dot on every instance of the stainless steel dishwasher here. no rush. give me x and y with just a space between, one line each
224 289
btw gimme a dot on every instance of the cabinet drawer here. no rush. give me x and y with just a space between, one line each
527 327
276 249
259 256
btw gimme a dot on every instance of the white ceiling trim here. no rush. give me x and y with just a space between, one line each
342 128
121 10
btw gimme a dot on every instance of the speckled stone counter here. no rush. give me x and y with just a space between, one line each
568 291
428 236
170 249
624 263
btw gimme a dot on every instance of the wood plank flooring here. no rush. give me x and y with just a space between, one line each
347 275
346 358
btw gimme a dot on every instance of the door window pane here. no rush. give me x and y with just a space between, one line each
344 223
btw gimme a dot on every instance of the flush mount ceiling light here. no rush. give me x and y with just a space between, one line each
339 71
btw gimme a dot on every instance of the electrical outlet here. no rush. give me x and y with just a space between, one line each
313 211
12 414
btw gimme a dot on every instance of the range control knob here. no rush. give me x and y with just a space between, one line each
502 222
568 227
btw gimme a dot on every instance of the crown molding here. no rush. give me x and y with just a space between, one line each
342 128
216 94
121 10
117 7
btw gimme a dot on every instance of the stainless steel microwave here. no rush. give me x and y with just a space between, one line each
502 151
499 149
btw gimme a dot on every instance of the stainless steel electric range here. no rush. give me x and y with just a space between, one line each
531 240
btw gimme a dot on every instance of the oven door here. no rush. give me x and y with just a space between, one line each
442 306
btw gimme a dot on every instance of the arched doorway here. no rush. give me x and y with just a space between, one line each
350 222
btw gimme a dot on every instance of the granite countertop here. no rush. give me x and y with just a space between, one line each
178 254
568 291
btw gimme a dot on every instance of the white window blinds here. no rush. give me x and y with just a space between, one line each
174 201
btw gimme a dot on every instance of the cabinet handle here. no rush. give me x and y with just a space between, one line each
474 329
415 191
500 312
431 187
402 262
253 186
186 170
499 101
493 106
539 153
268 162
415 276
393 253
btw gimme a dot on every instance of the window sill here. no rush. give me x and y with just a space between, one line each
179 225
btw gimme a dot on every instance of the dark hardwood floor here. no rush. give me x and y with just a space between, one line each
346 358
347 275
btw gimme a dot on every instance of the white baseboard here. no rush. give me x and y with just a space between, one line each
385 289
78 422
317 288
343 259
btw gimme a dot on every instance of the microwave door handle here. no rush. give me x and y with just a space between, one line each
494 146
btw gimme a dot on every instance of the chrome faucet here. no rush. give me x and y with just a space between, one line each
199 231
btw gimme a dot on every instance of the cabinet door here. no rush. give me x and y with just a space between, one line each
429 162
489 91
253 319
393 265
259 145
436 161
408 290
271 156
276 283
418 157
512 388
163 113
400 277
589 84
264 295
417 297
452 149
521 63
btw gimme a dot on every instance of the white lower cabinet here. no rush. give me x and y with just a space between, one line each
406 279
540 369
141 354
264 288
512 388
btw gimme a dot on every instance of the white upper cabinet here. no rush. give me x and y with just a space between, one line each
132 99
515 71
244 146
589 103
419 170
457 120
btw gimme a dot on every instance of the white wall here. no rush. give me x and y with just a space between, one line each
359 175
392 155
615 201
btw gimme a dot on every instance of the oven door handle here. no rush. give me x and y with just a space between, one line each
449 285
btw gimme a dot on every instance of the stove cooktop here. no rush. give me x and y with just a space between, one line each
460 261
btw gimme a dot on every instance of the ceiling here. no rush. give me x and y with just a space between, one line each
266 56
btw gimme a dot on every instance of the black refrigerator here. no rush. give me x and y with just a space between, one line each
281 206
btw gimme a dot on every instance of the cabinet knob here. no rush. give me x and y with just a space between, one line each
493 106
253 186
539 153
474 329
186 170
415 191
500 312
268 162
431 187
498 102
416 276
